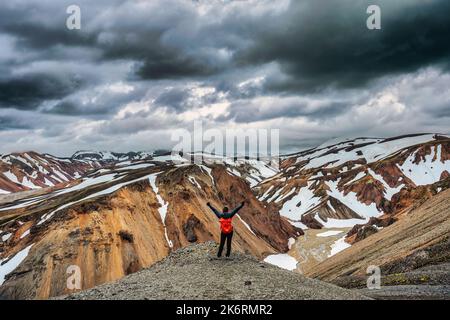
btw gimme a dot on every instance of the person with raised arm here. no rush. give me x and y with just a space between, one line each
226 227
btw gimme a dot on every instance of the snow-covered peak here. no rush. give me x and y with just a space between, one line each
88 155
356 178
369 149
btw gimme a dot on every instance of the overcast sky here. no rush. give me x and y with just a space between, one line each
138 69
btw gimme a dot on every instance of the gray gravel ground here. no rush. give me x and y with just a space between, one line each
429 282
194 273
410 292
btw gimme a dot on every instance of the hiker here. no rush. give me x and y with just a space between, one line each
226 227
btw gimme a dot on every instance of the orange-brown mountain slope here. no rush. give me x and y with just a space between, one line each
117 221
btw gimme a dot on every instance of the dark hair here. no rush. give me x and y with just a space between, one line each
225 209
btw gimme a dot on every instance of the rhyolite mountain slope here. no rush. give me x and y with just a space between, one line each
413 255
119 213
118 220
360 181
191 273
31 171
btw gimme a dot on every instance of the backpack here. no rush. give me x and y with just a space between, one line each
225 225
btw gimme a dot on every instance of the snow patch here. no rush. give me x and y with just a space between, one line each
307 201
163 205
13 263
340 223
388 191
48 182
338 246
329 233
266 194
427 171
194 182
11 176
291 242
208 171
298 224
29 184
137 166
25 234
88 182
6 237
351 201
283 261
372 152
245 224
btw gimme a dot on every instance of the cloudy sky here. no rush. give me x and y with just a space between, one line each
139 69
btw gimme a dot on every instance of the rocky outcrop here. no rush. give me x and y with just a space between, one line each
362 231
310 222
193 273
329 208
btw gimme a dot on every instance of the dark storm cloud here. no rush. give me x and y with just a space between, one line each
11 119
30 90
173 66
323 43
39 27
312 61
68 108
8 122
48 36
137 34
98 104
315 43
442 110
154 60
74 107
175 99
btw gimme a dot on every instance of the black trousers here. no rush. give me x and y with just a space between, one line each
228 238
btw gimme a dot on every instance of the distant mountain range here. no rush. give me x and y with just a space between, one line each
113 214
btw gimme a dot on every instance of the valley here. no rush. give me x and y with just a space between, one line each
326 213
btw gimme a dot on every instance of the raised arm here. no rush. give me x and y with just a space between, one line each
236 210
217 213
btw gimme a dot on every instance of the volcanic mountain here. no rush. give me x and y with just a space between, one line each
115 214
119 219
33 171
358 181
